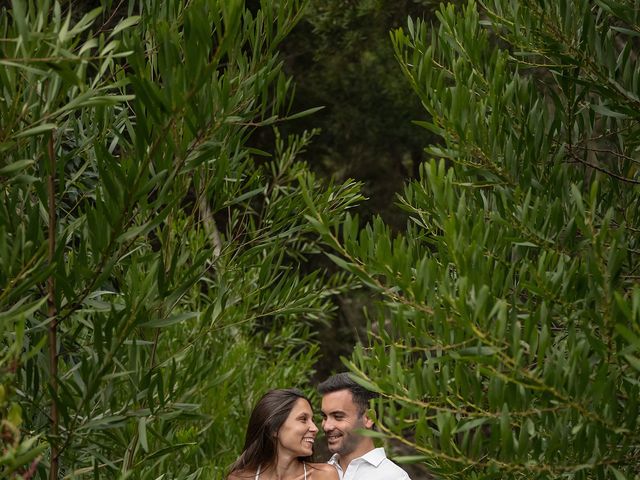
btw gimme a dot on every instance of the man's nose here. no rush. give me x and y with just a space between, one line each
326 424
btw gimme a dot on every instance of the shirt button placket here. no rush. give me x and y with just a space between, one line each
351 471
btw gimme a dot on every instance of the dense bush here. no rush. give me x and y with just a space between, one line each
153 261
152 257
506 342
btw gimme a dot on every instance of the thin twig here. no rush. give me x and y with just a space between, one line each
605 171
210 226
53 327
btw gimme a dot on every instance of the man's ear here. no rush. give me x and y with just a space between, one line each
368 423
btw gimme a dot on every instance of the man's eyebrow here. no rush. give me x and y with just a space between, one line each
333 412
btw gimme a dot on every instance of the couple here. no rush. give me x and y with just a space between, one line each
281 432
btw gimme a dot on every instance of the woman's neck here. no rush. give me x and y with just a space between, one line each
285 468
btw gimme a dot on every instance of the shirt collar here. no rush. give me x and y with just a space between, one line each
375 457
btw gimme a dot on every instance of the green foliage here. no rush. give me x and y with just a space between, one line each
20 455
341 57
170 251
506 343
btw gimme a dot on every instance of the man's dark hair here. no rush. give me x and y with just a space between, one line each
342 381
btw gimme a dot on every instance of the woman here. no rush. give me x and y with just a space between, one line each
279 441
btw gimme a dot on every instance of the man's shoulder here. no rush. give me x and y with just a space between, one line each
382 467
396 470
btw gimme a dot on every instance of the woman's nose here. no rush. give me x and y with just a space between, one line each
313 427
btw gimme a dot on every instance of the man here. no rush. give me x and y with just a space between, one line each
344 410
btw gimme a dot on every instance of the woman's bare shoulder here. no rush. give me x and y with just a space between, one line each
324 471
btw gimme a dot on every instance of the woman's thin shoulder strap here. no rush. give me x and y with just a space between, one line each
258 473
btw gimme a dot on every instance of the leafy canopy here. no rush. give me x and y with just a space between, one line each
152 279
506 340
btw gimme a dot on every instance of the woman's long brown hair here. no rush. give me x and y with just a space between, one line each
260 444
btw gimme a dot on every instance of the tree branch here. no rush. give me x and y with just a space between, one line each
210 226
53 326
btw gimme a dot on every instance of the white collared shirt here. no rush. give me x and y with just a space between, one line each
373 465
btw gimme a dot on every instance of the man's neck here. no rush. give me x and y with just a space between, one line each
362 449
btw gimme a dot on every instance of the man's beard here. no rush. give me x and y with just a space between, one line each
351 439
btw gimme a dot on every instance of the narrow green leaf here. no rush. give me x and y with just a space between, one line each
633 361
607 112
163 452
365 383
45 127
469 425
142 433
365 432
304 113
124 24
617 473
19 14
404 459
15 166
171 320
